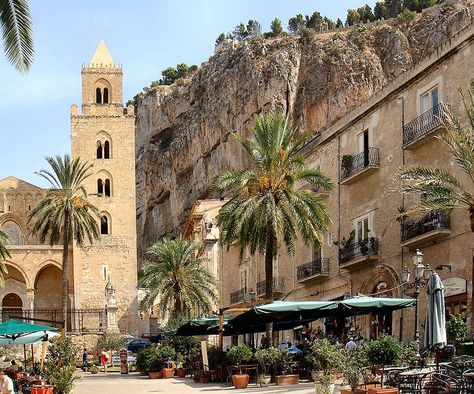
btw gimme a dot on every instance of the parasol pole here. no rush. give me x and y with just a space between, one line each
32 358
24 354
43 354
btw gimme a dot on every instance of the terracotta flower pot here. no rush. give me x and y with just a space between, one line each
95 372
264 380
321 388
349 391
240 381
168 373
379 390
284 380
204 379
155 375
181 373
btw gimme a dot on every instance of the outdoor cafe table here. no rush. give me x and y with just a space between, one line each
417 372
245 368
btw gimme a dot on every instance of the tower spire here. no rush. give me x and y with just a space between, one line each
102 56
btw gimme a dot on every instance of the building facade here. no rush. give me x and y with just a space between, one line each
366 247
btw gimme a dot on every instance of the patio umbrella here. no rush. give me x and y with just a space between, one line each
200 326
34 337
435 326
362 305
17 332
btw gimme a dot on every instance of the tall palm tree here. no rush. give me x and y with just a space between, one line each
17 33
266 208
4 254
442 190
64 214
175 276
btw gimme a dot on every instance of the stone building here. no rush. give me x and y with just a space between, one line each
365 247
103 276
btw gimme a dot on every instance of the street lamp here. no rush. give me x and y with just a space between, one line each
421 275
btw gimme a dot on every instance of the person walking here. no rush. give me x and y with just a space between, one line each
85 360
6 383
103 359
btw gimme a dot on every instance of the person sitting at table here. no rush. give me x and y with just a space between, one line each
13 367
6 384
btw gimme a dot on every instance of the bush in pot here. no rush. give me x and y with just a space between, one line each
181 369
355 360
266 358
325 359
238 355
385 350
167 354
282 368
94 369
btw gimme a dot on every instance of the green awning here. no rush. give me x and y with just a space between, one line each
200 326
362 305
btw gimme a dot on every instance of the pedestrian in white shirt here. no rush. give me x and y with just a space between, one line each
6 384
351 345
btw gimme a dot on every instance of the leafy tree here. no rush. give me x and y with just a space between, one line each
169 75
253 28
276 27
65 214
314 21
266 208
412 5
339 23
380 11
240 32
4 254
441 190
330 23
177 278
220 39
307 35
394 7
110 341
405 18
457 328
427 3
353 17
17 32
366 14
296 23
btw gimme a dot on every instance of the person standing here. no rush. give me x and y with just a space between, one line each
6 384
351 345
85 360
104 359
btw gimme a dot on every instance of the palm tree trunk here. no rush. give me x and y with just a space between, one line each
64 273
269 255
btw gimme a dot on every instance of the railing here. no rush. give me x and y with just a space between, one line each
438 220
241 295
357 163
278 283
316 267
424 124
369 247
79 320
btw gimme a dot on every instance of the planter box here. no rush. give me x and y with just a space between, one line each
204 379
379 390
240 381
349 391
284 380
155 375
181 373
95 372
168 373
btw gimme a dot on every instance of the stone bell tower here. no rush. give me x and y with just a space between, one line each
104 134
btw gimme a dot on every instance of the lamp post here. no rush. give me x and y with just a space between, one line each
421 274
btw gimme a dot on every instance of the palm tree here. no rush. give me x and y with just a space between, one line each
4 254
64 214
440 189
15 23
175 276
266 207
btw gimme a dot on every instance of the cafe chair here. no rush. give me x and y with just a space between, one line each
468 381
443 384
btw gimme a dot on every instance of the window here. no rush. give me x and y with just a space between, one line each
107 188
316 253
363 145
104 225
106 96
106 150
363 227
100 187
98 96
13 231
99 150
429 99
244 278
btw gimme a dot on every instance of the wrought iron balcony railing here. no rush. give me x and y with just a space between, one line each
438 220
241 295
358 163
424 124
278 284
316 267
368 247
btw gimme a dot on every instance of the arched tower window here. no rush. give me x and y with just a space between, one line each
105 97
104 225
99 150
13 231
107 188
98 96
106 150
100 187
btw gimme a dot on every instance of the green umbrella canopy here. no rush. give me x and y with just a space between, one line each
361 305
14 329
33 337
435 325
199 326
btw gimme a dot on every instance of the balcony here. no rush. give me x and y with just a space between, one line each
320 192
430 229
242 295
425 125
351 255
278 284
353 167
316 269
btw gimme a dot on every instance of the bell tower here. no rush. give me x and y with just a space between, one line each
103 134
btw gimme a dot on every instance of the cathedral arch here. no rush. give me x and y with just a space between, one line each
48 286
17 274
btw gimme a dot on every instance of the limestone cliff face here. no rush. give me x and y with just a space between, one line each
183 131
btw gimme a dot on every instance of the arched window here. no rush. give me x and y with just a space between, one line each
104 225
13 231
100 187
107 188
98 96
106 96
99 150
106 150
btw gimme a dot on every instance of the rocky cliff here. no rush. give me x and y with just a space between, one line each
183 130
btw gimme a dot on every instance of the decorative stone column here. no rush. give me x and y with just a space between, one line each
30 296
111 307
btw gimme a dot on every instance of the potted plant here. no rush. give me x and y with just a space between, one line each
94 369
456 329
167 353
204 377
385 350
346 164
63 380
354 360
282 368
266 358
410 355
325 359
217 363
238 355
180 370
429 356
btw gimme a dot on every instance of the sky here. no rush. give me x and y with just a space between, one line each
145 36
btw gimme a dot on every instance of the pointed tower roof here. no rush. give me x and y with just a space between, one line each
102 56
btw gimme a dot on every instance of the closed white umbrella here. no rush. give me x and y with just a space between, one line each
435 326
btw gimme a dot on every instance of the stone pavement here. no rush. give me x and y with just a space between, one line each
114 383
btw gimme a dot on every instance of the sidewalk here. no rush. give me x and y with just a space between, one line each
114 383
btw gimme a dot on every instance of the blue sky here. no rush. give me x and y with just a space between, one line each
145 36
